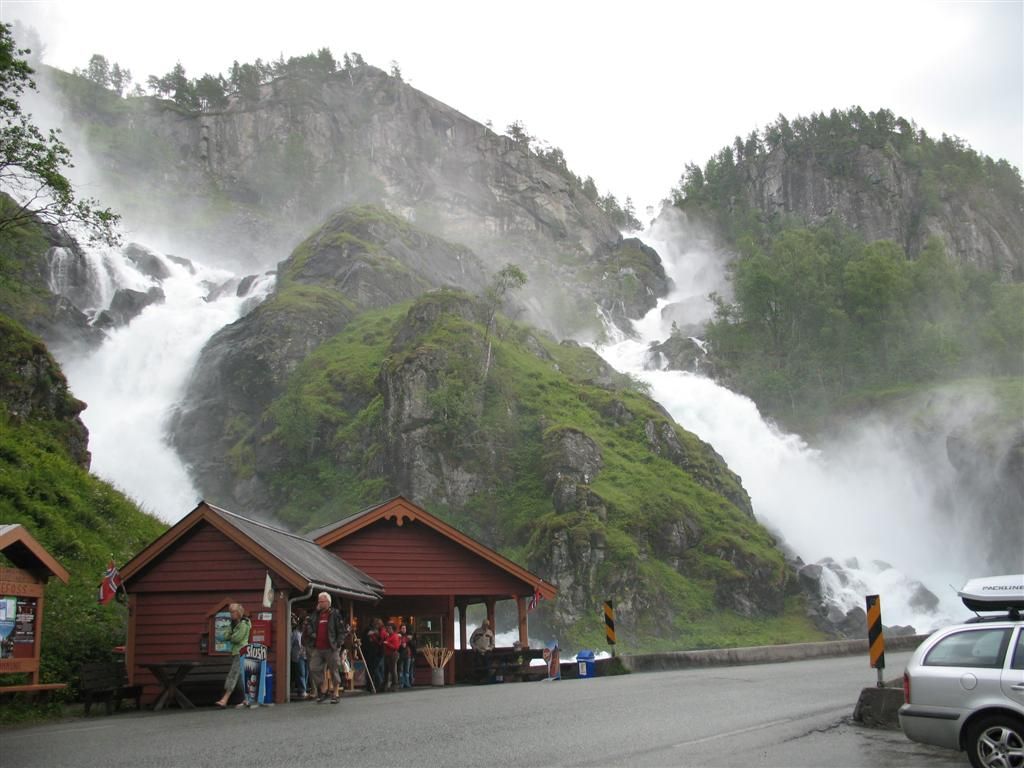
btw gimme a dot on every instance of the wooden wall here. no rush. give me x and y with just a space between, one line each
172 599
414 559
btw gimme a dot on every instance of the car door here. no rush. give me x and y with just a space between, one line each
1013 672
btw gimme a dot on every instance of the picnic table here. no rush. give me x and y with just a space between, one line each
170 675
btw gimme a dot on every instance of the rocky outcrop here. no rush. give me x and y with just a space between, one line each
827 587
33 389
633 279
147 262
681 353
573 461
882 197
126 306
361 258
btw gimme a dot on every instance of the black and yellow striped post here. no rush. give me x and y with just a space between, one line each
609 624
876 639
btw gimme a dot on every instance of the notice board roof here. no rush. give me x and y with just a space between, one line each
19 546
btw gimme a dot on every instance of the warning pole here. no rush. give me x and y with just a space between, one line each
876 639
609 624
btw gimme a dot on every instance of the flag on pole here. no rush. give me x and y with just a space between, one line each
110 585
268 593
535 600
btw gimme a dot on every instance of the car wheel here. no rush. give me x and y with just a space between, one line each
996 741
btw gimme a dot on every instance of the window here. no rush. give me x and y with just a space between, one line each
428 631
970 648
1018 653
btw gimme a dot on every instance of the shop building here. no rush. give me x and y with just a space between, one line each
392 560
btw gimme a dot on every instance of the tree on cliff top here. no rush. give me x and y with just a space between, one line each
32 165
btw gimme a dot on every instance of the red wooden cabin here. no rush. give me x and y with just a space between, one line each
393 559
180 583
430 571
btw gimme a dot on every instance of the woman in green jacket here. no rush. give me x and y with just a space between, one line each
239 638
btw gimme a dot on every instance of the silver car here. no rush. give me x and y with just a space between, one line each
964 689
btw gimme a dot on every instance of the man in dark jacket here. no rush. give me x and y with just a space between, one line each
326 632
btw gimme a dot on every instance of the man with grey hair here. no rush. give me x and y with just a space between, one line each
324 636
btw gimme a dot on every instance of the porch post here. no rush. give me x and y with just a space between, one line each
449 640
462 627
129 646
523 633
282 637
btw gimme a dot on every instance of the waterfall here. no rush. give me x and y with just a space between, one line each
139 373
868 502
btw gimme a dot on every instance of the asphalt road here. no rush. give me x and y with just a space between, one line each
785 715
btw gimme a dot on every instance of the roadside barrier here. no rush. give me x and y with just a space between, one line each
609 624
764 654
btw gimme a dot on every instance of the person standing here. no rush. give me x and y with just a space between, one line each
392 642
238 636
482 641
300 662
324 636
405 657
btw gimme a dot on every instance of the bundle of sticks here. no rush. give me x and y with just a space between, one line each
437 657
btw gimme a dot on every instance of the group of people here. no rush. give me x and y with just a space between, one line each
390 654
324 650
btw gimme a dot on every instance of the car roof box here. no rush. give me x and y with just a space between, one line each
994 593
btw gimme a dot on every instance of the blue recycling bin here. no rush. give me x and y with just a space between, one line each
268 686
587 667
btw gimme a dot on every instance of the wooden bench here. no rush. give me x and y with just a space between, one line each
107 681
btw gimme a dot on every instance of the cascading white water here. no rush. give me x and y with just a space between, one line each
867 501
139 373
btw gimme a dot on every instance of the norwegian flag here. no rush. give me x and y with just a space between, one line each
110 585
535 600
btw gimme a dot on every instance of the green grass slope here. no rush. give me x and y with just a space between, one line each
82 521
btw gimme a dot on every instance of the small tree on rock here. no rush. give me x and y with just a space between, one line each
32 164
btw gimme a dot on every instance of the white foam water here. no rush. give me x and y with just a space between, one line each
139 373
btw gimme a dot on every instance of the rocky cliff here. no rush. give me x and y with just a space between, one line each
247 182
883 197
874 173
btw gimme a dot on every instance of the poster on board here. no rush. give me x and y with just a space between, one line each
221 632
8 612
24 634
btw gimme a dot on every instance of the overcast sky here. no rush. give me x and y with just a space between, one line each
631 91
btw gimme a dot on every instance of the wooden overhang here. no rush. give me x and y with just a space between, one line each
400 510
297 560
24 552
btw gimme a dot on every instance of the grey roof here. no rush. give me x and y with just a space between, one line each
318 532
316 565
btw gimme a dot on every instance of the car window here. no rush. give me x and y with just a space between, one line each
970 648
1018 651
